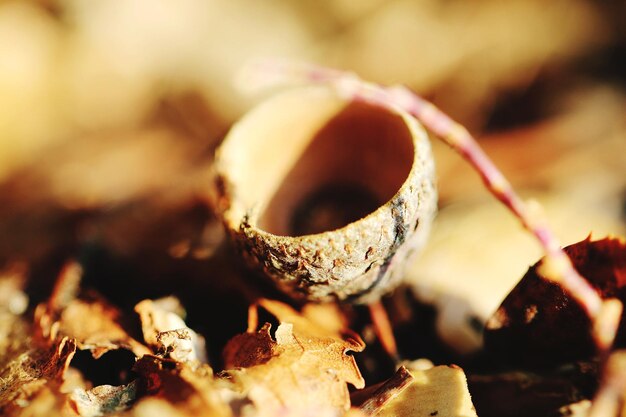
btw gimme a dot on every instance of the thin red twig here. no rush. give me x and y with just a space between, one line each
383 328
556 265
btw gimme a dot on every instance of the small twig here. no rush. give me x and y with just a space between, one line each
253 318
383 329
387 391
556 266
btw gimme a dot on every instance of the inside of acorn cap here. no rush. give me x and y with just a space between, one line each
351 166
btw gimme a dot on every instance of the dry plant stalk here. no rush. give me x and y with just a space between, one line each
388 391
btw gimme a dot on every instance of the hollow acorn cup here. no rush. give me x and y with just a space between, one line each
326 196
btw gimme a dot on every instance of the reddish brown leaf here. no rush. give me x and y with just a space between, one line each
539 324
189 388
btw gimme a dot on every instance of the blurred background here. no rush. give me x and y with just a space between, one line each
110 111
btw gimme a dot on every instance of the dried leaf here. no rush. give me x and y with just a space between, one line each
304 369
30 372
539 324
36 368
30 369
189 387
91 321
166 332
439 391
96 327
103 399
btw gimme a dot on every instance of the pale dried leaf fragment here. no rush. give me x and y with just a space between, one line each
439 391
165 331
303 371
177 344
95 325
103 399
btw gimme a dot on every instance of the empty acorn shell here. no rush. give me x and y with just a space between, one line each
326 196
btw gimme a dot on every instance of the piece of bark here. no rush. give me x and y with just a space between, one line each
386 392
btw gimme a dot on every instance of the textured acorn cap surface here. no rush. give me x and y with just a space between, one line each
282 156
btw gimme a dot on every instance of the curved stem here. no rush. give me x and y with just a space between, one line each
556 266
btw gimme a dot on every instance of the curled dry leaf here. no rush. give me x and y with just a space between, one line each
538 323
33 378
30 369
91 321
188 387
303 370
103 399
29 372
166 332
96 326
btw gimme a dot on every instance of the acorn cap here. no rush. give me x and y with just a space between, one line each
326 196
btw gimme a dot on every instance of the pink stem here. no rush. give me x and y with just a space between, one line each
556 266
